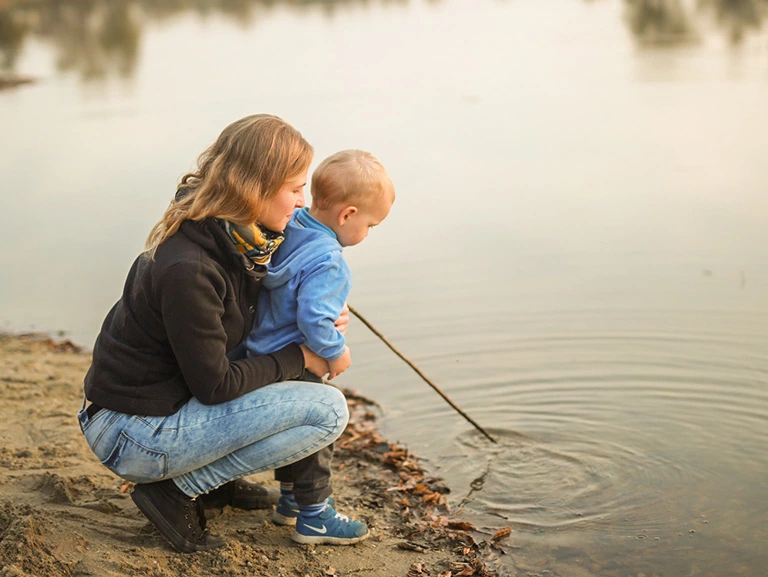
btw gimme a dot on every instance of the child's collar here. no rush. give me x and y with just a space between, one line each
303 218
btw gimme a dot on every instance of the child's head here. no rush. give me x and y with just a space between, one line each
239 175
353 193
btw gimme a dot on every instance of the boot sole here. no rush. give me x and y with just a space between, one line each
147 507
318 540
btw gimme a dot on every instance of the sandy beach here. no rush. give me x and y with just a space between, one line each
63 514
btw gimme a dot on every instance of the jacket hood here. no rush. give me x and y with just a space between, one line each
307 243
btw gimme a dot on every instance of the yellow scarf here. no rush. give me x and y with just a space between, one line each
254 241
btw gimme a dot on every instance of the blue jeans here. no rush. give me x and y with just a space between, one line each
202 447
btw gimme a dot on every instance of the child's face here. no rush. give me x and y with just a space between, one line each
280 208
356 226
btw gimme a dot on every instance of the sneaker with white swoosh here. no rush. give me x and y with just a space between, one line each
329 527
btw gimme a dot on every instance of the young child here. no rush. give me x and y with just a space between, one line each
304 292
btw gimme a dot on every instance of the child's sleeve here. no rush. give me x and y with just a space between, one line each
322 295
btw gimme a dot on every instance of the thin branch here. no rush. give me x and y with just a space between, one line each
418 372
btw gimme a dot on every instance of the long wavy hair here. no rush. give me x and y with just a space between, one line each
237 175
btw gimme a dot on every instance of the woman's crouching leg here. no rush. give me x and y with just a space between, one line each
278 425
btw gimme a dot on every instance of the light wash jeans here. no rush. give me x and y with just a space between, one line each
202 447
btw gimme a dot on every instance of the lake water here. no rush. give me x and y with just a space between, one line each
577 253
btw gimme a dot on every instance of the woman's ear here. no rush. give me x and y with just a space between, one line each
346 213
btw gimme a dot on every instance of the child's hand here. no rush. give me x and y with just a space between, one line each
342 322
315 363
340 365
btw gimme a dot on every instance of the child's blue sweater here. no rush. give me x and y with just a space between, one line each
306 286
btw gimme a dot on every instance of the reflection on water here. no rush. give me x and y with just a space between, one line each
673 22
659 22
96 38
12 32
737 17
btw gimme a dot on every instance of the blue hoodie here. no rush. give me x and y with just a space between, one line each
306 286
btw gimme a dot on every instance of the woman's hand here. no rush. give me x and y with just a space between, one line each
312 362
340 365
342 322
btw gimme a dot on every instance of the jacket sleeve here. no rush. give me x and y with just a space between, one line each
322 294
190 297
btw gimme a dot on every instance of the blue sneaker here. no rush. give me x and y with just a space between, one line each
329 527
288 510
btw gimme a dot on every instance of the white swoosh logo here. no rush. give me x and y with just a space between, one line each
322 531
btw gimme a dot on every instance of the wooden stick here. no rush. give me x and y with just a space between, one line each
418 371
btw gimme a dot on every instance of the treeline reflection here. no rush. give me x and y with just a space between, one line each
672 22
99 37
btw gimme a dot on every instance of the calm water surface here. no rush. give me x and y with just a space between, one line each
577 254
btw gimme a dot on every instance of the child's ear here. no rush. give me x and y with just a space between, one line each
346 213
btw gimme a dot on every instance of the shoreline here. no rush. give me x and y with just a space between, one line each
10 81
62 513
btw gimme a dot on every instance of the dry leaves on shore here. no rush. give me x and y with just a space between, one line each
42 341
424 510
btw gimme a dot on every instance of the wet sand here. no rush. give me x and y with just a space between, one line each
63 514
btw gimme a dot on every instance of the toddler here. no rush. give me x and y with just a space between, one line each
305 291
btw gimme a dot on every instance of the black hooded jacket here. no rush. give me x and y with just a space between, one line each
181 320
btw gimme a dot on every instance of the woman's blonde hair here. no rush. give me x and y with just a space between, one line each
237 175
350 176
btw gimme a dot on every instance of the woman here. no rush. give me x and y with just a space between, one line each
174 403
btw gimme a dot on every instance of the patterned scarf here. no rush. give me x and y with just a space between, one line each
254 241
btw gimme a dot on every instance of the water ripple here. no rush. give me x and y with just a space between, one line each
560 482
623 423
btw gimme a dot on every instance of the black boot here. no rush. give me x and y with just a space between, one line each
179 518
242 495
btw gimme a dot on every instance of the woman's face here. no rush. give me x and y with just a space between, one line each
280 209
